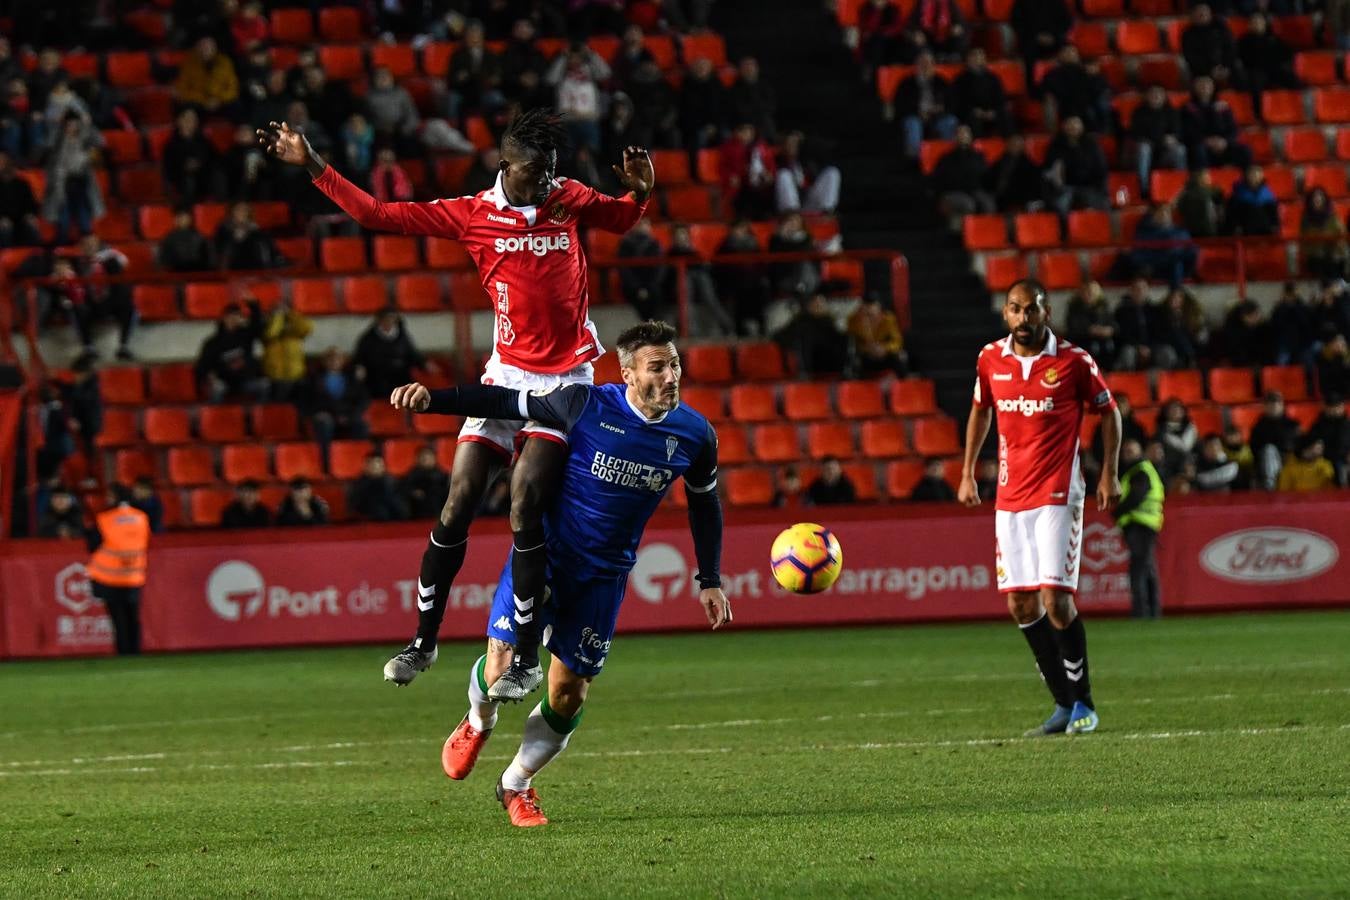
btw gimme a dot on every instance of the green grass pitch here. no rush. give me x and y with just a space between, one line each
850 762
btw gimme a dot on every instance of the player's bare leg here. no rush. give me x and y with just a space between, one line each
1071 638
547 731
1035 619
474 468
538 471
463 746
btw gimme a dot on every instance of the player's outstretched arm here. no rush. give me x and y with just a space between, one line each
558 409
618 214
977 429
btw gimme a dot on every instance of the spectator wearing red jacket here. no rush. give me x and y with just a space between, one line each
747 170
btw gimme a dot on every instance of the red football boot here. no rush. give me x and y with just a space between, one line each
521 806
461 750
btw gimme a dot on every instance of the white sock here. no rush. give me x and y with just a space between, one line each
482 711
545 736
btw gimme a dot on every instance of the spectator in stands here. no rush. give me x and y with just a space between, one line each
1214 471
330 102
475 76
978 98
1291 328
48 73
1162 250
1252 207
523 67
1267 61
191 164
18 208
791 236
389 181
1338 23
1333 366
702 106
577 75
881 36
302 507
657 116
1015 179
1178 435
144 498
1207 45
392 111
812 337
751 99
1273 437
249 27
22 130
937 26
1332 428
283 356
631 55
802 181
960 177
386 355
241 245
425 486
709 317
788 491
184 249
1209 130
1090 324
104 301
247 509
83 404
832 486
1179 324
923 104
245 168
1136 347
877 341
73 195
986 480
1075 170
374 495
1130 427
1155 136
1246 335
644 287
1235 446
62 518
1322 236
1042 28
1078 90
275 104
62 100
620 130
335 401
356 142
1200 205
744 283
227 365
746 166
1308 469
207 79
933 486
1331 313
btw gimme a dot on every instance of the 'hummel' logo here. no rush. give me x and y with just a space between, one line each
428 592
493 217
1001 376
503 623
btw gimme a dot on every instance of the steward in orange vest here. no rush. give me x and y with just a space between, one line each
120 539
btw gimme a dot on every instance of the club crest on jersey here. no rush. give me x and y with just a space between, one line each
1050 380
557 214
671 444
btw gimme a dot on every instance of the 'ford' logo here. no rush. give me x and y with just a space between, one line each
1269 555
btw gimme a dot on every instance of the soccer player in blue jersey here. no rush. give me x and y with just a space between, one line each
628 443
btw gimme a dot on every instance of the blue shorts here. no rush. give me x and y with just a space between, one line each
577 621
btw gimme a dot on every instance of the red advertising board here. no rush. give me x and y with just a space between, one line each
358 584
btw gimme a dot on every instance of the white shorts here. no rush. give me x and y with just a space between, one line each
1038 548
503 433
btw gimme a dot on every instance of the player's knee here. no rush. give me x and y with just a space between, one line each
1060 607
527 504
1025 608
565 697
459 507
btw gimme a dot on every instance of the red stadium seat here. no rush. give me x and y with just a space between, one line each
1231 385
364 294
120 428
132 464
206 217
298 251
1296 31
141 184
708 401
340 23
206 300
830 439
299 460
274 422
1331 104
806 401
901 477
1288 380
1133 385
708 363
436 58
342 254
443 253
708 166
705 46
733 445
753 403
1091 39
117 226
1343 143
173 383
435 425
760 361
314 296
1282 108
1001 271
860 399
1207 419
418 293
884 439
341 62
1316 67
207 505
123 147
401 455
1059 271
128 70
122 384
1244 417
154 221
936 436
691 203
1123 188
864 478
1305 414
190 466
672 166
393 252
775 443
399 59
1165 184
913 397
749 487
1329 178
292 26
245 462
346 459
1135 37
221 424
1281 182
168 425
1185 385
1090 228
156 302
985 232
385 421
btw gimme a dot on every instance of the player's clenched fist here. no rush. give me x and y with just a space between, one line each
968 494
411 396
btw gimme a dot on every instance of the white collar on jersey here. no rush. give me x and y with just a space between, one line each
637 412
1051 346
498 197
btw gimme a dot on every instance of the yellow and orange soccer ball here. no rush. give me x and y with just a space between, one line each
806 558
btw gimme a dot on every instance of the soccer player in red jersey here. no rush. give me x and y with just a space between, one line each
1038 385
522 234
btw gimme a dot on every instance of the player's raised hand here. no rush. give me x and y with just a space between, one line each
968 494
1108 491
286 145
637 173
411 396
716 607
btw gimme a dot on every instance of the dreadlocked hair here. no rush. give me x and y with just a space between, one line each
538 130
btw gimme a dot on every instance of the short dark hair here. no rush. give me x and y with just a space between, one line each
120 492
537 130
249 485
651 333
1037 290
299 482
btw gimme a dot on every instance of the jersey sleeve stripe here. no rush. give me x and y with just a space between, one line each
523 404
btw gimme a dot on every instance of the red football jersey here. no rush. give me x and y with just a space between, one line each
1039 403
529 259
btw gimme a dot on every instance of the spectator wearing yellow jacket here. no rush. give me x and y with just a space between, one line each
207 78
1309 469
283 356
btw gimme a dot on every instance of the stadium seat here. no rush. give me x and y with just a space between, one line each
418 293
806 401
173 383
167 425
1231 385
342 254
274 422
1217 264
292 26
341 62
864 478
300 459
221 424
1059 271
1134 385
245 462
1316 67
1090 228
206 300
901 477
1299 32
400 455
1303 145
122 384
1135 37
340 23
123 147
399 59
1185 385
206 217
1123 188
1281 182
1331 104
364 294
749 487
691 203
206 505
884 439
436 58
860 399
1208 419
1165 184
913 397
437 425
1288 380
708 401
1243 417
673 166
134 463
156 302
760 361
154 221
1329 178
936 436
443 253
298 251
335 495
985 232
708 363
120 428
385 421
1163 70
394 252
1001 271
830 439
775 443
191 466
733 445
314 296
140 184
1092 39
1305 414
346 459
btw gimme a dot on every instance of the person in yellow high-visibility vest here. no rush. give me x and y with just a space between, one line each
1139 515
120 540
